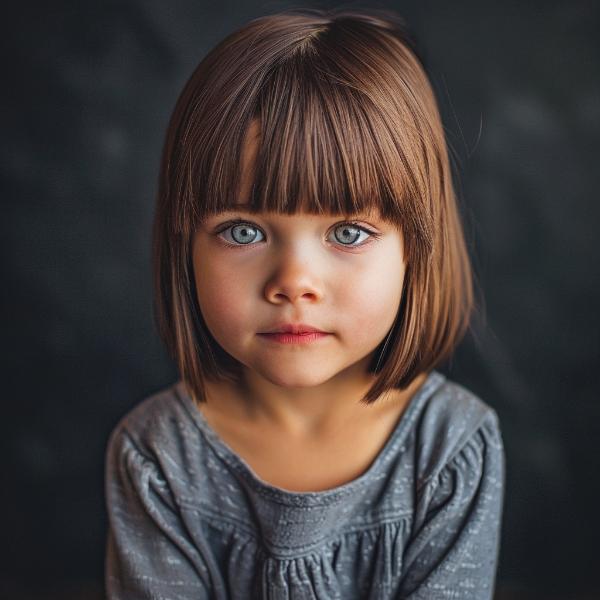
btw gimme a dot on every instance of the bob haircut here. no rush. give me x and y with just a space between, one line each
348 121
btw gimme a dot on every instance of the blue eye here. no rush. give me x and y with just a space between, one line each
350 232
244 233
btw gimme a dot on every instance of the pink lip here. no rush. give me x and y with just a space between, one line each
294 338
296 329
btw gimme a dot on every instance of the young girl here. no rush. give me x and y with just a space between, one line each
311 273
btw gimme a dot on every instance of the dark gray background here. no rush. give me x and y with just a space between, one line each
87 92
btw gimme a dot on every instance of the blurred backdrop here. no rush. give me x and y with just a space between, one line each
88 88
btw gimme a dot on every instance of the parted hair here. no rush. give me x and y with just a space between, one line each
348 121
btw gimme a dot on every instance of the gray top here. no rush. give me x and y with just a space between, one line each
189 519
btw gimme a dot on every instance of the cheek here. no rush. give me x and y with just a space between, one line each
369 300
222 299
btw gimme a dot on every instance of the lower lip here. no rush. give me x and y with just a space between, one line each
292 338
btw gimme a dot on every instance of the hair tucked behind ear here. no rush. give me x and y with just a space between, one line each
348 121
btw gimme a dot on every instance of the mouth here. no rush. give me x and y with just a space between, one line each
307 337
292 328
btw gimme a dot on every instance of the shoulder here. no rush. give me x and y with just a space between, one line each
158 437
153 421
454 423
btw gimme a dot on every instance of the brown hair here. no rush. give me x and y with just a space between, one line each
348 120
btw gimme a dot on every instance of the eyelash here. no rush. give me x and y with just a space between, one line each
373 234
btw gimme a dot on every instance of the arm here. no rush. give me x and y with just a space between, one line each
149 553
453 552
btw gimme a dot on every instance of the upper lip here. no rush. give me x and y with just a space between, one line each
296 328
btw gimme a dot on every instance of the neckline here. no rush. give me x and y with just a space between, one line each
431 383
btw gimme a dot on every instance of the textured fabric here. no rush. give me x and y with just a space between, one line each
189 519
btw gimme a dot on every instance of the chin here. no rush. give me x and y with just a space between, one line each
298 377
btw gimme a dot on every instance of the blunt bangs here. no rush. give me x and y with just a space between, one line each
317 151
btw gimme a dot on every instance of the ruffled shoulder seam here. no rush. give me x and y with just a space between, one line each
486 430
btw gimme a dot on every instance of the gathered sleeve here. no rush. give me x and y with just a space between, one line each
149 553
453 550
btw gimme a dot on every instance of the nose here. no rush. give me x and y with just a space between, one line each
294 280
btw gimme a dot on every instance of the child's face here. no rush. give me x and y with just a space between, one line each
295 269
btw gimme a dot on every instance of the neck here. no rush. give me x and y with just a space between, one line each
306 412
